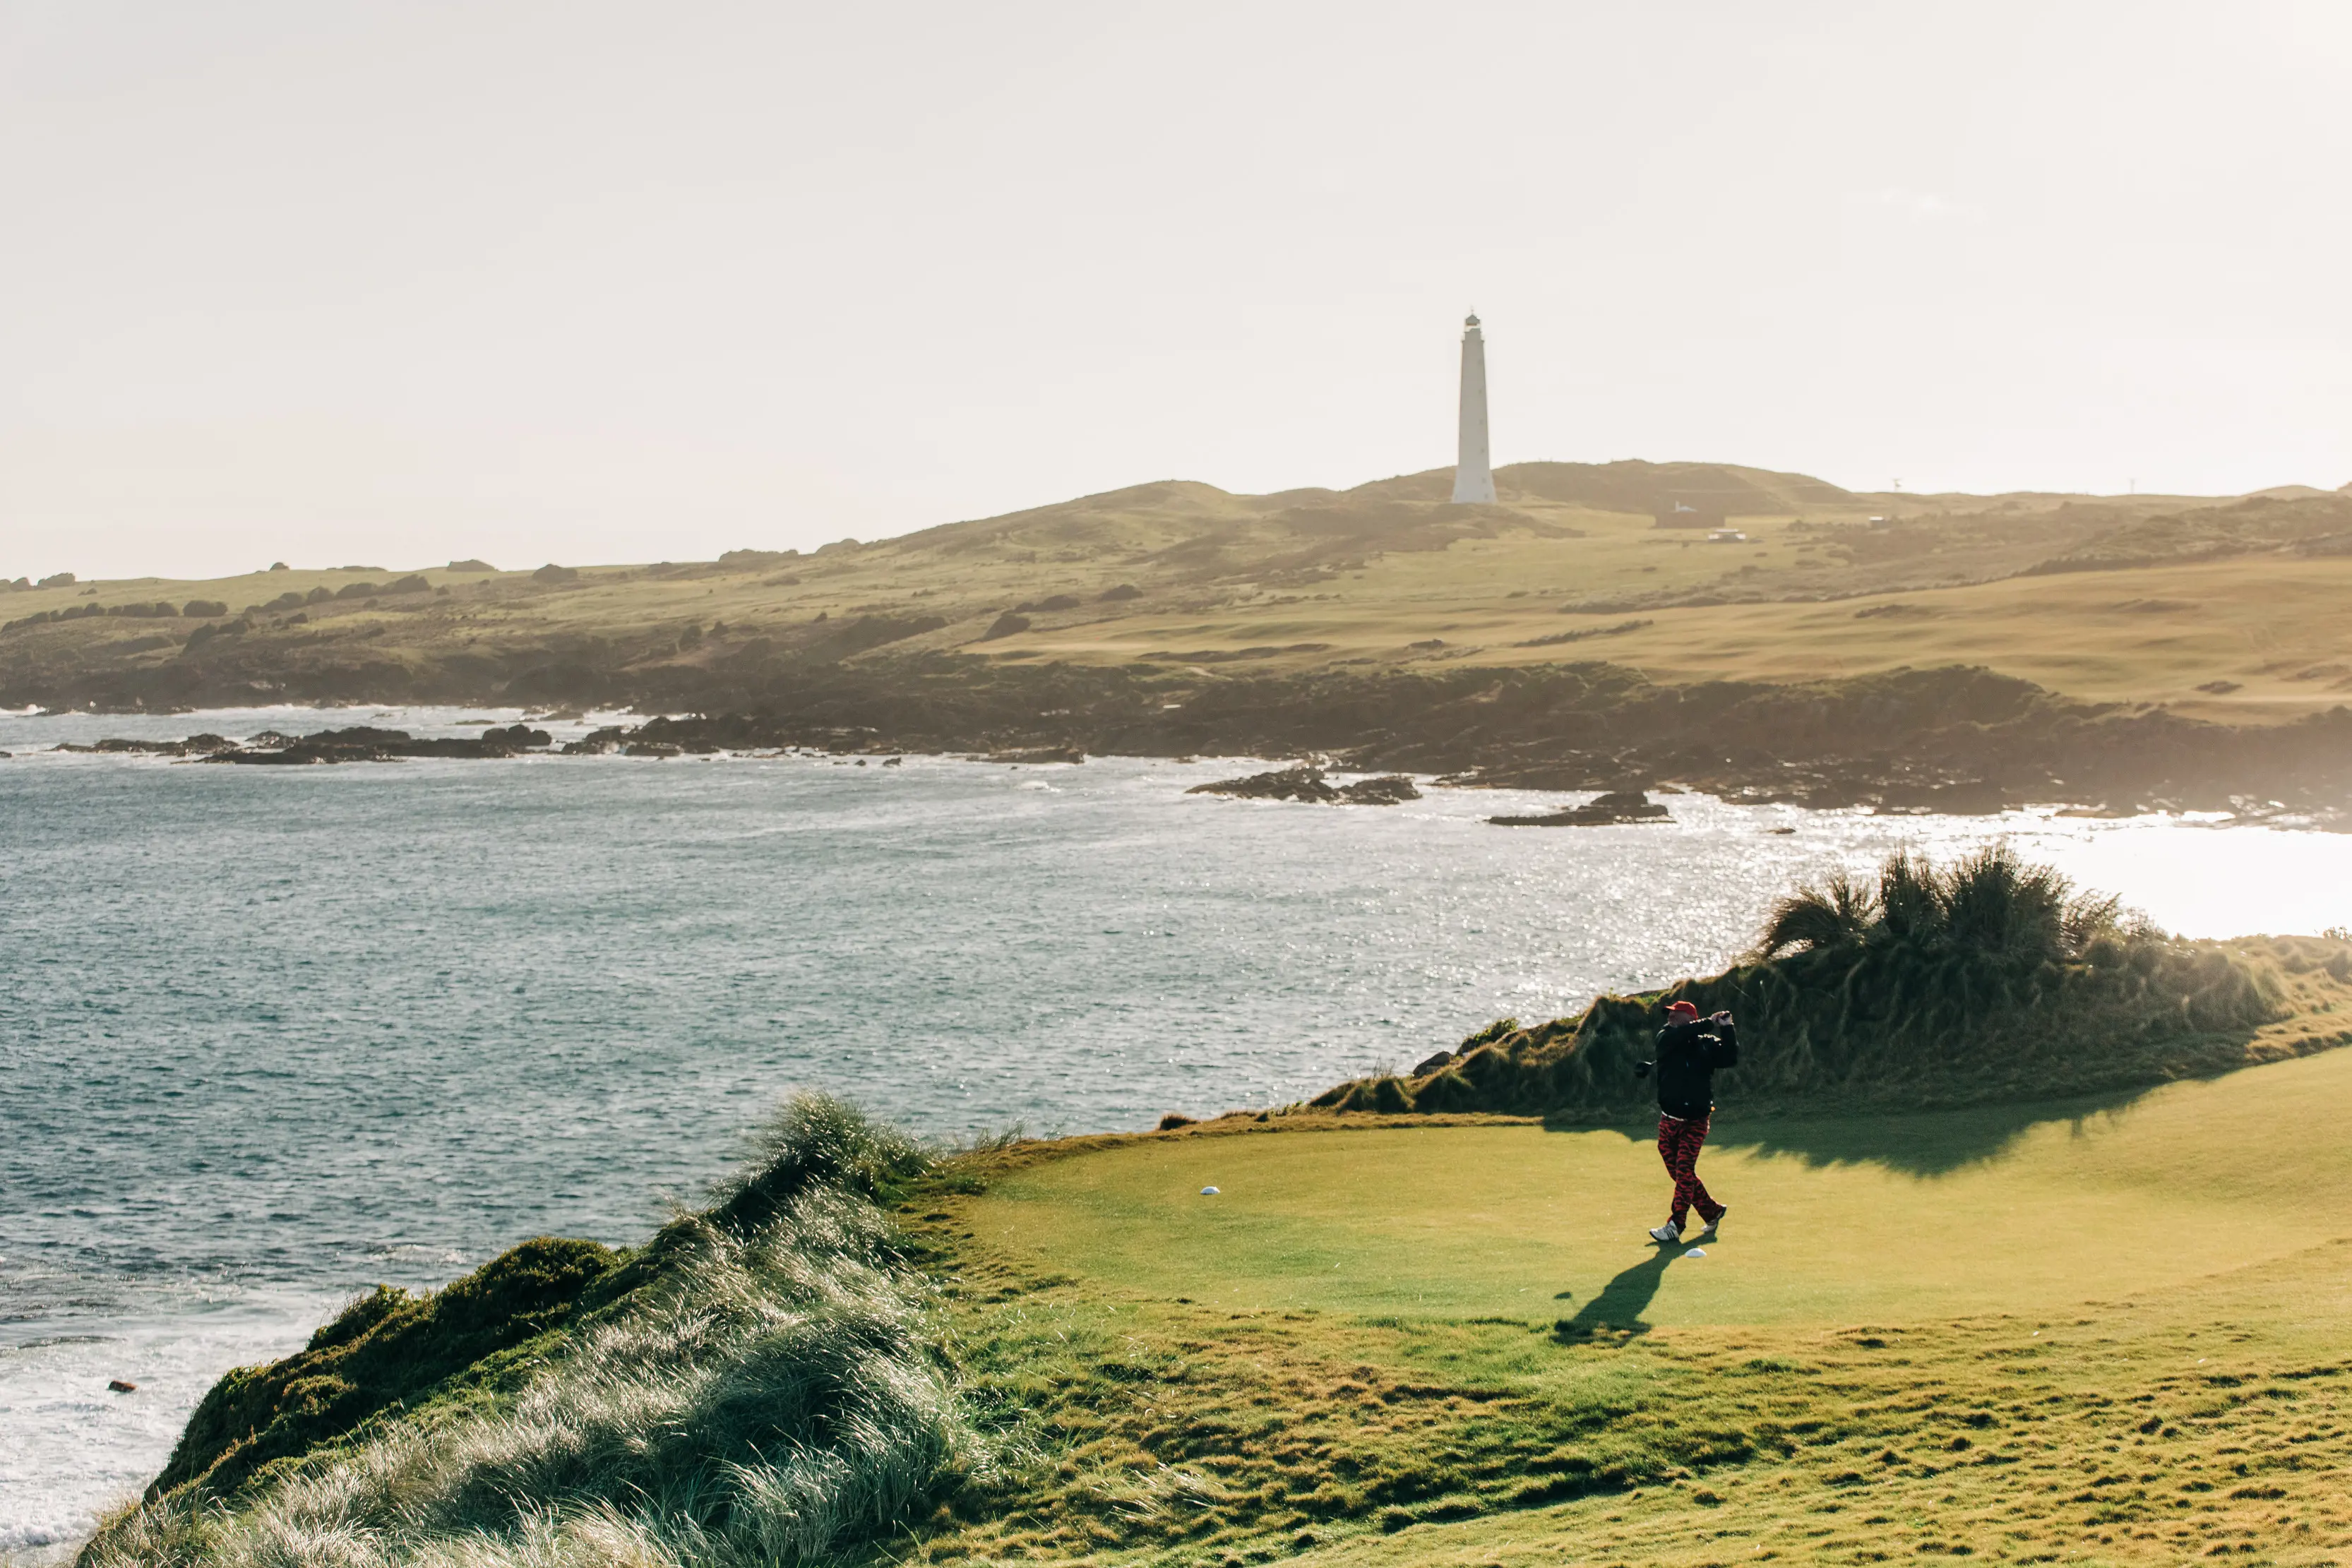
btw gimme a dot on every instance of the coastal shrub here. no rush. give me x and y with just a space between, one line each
1989 979
758 1387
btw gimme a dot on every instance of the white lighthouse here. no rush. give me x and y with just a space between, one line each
1473 474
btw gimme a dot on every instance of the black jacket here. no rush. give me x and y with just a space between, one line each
1688 1056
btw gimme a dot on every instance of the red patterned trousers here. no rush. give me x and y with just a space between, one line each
1679 1142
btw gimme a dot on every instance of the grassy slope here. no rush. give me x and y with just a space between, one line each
1320 577
2081 1334
2114 1338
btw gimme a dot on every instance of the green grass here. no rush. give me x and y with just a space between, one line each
1464 1221
2112 1336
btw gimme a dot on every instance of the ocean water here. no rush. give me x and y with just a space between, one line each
271 1035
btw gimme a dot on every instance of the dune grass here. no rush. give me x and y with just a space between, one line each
765 1392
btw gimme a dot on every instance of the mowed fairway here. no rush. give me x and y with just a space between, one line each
2084 1335
2188 1182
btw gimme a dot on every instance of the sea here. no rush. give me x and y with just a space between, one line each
269 1036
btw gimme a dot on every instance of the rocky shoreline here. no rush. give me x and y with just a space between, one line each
1952 740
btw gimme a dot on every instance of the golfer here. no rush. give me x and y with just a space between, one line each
1690 1049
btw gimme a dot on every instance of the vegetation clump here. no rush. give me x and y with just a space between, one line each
758 1384
1987 980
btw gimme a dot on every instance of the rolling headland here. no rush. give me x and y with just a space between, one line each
1599 627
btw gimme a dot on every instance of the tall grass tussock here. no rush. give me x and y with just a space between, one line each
1987 980
757 1386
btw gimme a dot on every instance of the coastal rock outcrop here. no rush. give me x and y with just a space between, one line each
1308 784
1602 811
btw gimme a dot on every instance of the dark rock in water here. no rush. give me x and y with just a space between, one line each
654 748
1284 784
1308 784
363 743
1393 790
160 747
597 742
1005 625
116 1385
1039 754
1604 811
358 735
892 761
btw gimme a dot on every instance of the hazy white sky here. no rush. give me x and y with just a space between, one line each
396 282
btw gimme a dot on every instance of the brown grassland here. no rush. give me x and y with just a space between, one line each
2231 610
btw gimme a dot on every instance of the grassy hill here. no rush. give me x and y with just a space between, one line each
2086 597
2150 646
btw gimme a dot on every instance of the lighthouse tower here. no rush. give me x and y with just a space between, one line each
1474 476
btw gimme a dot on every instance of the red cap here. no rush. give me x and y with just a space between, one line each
1682 1008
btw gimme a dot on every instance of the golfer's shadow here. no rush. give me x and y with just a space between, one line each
1618 1309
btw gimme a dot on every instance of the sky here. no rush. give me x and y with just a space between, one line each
337 282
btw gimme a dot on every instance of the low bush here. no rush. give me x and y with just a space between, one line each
1988 980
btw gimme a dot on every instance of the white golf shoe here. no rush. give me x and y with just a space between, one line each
1714 1225
1666 1233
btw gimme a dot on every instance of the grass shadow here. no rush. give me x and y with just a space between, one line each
1917 1143
1617 1309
